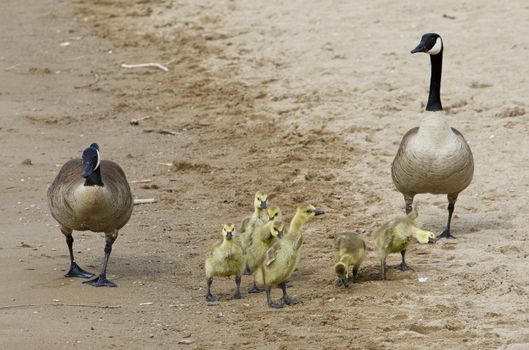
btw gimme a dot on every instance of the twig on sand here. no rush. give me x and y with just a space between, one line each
144 201
144 181
11 67
143 65
161 131
71 305
96 79
137 121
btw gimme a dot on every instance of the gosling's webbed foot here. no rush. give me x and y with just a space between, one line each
255 289
343 282
274 305
403 267
237 295
290 301
211 297
446 234
100 281
76 271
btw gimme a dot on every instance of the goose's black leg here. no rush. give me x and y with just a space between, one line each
355 272
451 205
75 270
286 299
237 294
269 300
383 269
408 200
403 266
343 282
209 296
101 280
255 289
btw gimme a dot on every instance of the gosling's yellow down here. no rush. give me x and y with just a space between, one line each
396 235
281 259
258 218
266 236
226 259
274 213
304 214
350 250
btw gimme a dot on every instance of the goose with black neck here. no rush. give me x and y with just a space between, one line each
90 194
434 157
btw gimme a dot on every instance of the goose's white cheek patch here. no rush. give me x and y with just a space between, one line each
437 47
98 160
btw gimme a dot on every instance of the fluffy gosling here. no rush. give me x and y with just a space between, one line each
281 259
350 250
396 235
258 218
262 241
226 259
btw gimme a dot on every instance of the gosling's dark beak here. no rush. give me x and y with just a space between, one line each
345 282
318 212
229 235
87 169
431 240
264 205
419 48
280 234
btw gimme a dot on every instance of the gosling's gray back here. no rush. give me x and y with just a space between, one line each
104 209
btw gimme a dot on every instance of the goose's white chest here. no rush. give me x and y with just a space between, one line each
91 202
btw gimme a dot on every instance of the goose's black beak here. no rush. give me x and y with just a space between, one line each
318 212
419 48
280 234
87 169
264 205
431 240
229 235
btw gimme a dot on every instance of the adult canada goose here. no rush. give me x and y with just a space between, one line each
90 194
226 259
396 235
433 158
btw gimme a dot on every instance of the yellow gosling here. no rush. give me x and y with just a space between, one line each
262 241
396 235
258 218
281 259
226 259
303 215
274 213
350 250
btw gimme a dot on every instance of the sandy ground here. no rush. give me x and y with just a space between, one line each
307 101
